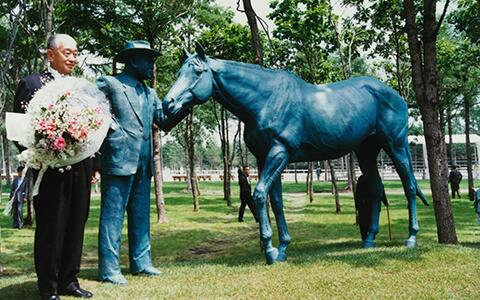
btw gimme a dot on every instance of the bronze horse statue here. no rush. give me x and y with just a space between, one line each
289 120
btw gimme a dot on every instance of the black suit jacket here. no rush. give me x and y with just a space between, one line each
245 186
27 87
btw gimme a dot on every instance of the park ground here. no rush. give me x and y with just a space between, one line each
210 255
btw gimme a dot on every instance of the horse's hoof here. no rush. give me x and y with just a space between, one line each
368 244
410 244
271 255
281 257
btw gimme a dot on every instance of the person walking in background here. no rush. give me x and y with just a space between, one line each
318 172
454 179
246 193
19 193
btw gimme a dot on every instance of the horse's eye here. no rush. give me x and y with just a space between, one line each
198 72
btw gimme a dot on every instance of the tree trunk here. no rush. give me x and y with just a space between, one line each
187 156
226 155
450 136
6 150
468 149
158 175
157 157
351 167
310 181
191 160
47 13
334 188
256 41
424 85
295 170
307 179
240 147
1 267
350 172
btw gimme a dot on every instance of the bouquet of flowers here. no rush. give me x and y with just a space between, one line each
66 122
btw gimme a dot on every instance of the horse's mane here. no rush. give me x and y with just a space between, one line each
257 67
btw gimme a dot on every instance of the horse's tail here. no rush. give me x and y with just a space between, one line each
417 188
420 194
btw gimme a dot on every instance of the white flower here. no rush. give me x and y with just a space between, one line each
70 118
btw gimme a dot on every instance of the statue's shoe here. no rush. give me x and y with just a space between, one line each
150 271
116 279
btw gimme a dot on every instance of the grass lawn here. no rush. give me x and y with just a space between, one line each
209 255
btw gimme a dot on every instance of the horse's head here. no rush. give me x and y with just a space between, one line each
193 86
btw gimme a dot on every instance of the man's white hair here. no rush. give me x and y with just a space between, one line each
53 42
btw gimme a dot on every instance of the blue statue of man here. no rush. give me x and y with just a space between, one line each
126 163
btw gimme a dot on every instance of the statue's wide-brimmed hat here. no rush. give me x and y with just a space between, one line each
136 48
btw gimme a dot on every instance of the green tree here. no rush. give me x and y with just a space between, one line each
229 41
467 19
306 35
173 157
383 36
422 38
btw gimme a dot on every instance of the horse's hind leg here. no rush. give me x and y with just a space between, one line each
275 163
367 153
277 207
403 164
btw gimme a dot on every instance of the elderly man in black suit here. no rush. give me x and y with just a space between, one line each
62 204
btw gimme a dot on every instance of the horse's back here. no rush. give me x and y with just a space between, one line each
341 114
392 111
385 106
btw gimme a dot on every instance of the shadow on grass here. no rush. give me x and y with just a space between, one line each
322 254
23 290
471 245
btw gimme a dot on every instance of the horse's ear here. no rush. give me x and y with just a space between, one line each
185 54
200 51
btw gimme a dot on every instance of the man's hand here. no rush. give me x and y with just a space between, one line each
24 200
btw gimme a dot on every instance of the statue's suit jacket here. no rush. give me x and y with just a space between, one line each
120 151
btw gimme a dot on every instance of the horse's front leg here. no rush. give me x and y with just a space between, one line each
277 206
275 163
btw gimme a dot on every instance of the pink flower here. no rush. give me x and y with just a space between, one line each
73 132
40 126
49 125
51 106
60 143
50 133
73 120
84 131
99 122
98 110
